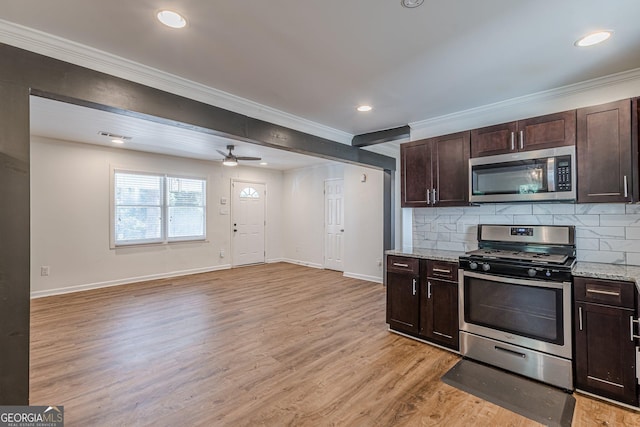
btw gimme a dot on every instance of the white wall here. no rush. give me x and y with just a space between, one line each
364 223
70 218
303 220
70 204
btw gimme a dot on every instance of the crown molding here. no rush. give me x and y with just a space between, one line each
94 59
590 92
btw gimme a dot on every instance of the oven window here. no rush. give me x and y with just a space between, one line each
520 177
529 311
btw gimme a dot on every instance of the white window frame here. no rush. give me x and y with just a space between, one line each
164 209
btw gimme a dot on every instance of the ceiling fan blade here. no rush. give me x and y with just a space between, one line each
248 158
222 153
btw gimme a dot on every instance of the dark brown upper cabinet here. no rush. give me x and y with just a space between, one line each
537 133
434 171
604 150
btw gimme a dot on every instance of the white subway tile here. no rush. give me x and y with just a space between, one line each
496 219
629 220
533 219
425 244
600 232
467 228
601 256
584 220
553 208
591 244
524 209
620 245
485 209
450 211
632 232
633 258
451 246
632 209
600 208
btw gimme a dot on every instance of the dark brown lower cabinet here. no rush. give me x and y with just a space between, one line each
422 299
439 312
605 361
403 303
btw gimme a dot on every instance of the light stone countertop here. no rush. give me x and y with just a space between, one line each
434 254
627 273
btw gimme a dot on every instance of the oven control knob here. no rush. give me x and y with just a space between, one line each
548 273
473 265
486 267
532 272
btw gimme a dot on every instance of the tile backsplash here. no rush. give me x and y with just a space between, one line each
607 233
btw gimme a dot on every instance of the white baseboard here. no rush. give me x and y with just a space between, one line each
375 279
125 281
304 263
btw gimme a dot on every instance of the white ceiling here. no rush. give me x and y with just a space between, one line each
68 122
317 60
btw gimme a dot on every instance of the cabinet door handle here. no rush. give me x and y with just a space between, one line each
513 141
440 270
626 192
580 317
435 199
428 196
600 292
428 290
397 264
414 287
521 139
631 334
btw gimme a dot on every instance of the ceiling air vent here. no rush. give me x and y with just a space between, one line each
114 136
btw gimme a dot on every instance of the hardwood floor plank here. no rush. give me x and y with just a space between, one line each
267 345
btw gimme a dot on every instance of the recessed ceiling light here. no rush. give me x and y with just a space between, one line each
364 108
411 3
171 19
263 163
117 141
593 38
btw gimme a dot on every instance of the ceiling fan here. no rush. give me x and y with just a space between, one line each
232 160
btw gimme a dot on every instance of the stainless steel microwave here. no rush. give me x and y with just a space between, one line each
540 175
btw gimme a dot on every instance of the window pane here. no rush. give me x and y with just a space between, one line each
138 223
138 189
186 222
186 192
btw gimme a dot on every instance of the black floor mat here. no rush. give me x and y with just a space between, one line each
539 402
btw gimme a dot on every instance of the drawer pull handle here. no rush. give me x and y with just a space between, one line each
397 264
440 270
631 322
597 291
443 335
515 353
580 317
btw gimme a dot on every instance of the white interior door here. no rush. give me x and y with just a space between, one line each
334 224
248 222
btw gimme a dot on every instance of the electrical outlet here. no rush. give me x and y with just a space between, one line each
221 253
379 261
44 270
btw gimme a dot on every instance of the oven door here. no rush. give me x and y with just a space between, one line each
528 313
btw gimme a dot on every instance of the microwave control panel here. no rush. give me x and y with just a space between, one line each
563 173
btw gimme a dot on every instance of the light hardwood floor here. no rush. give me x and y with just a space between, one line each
268 345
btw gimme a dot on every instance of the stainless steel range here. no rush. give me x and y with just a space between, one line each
515 300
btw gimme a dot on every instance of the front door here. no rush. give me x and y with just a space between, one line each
248 222
334 224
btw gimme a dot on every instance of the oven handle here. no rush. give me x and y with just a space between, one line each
515 281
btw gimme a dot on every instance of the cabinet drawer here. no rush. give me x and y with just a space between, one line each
619 294
442 270
400 264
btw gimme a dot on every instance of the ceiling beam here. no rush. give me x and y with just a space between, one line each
378 137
